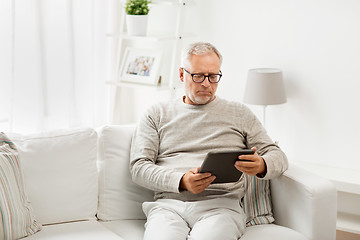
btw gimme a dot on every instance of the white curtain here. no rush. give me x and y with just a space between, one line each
54 62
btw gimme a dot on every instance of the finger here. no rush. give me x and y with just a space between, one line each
247 157
251 171
196 175
246 164
195 170
245 168
204 183
201 176
250 157
200 186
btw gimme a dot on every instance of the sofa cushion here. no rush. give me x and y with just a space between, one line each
119 197
16 215
127 229
60 173
82 230
271 231
134 230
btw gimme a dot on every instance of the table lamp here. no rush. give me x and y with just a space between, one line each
264 87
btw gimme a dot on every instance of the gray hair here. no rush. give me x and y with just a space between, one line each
198 48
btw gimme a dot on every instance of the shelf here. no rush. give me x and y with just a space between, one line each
168 39
137 85
152 37
348 223
346 181
169 2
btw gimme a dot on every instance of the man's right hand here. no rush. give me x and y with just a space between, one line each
196 182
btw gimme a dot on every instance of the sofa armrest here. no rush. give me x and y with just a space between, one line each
306 203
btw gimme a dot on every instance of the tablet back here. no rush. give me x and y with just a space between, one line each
221 164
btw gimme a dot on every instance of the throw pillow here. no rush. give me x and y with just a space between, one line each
16 216
257 201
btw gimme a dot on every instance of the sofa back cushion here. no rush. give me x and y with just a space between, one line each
60 173
119 197
16 216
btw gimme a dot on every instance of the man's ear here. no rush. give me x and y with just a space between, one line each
181 74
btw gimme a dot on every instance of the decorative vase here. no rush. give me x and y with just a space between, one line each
136 25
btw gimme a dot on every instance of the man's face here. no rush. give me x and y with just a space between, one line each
200 93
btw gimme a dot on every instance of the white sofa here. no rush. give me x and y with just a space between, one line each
79 184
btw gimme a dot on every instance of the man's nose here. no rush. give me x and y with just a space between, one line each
206 82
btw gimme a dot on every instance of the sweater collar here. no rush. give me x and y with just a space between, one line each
200 106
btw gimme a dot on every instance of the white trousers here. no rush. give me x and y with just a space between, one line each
214 219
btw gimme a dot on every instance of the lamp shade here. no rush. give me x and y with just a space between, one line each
265 86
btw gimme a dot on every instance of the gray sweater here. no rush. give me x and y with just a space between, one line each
174 137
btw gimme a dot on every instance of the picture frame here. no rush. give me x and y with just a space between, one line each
141 66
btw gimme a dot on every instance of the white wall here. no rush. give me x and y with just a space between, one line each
316 44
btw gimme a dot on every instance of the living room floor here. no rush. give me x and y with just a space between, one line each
341 235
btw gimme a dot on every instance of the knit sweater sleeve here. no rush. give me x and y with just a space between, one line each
143 155
256 136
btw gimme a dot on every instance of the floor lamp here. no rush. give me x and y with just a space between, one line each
264 87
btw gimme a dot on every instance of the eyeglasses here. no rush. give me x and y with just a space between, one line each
199 78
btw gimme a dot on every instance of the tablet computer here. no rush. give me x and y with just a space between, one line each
221 164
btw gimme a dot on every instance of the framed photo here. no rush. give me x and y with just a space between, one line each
140 66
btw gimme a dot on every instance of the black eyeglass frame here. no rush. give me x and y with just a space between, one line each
204 76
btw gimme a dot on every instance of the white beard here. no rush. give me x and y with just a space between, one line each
199 100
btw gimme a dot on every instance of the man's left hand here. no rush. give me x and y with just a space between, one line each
256 165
